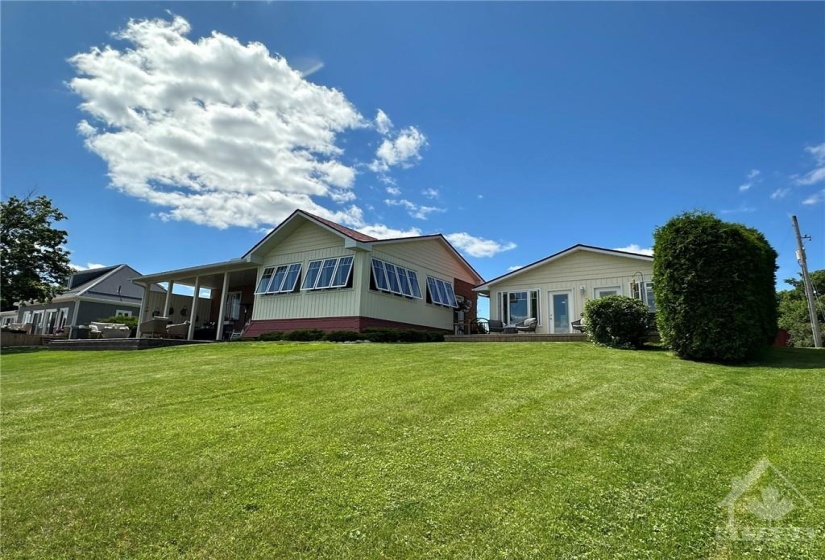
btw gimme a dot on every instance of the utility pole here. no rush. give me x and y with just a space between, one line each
806 281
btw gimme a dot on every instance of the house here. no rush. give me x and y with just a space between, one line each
90 295
555 289
311 273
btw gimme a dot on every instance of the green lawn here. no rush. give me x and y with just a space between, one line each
518 450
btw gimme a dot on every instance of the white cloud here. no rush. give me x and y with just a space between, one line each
745 187
744 209
817 175
394 191
414 210
216 132
430 193
383 124
404 150
88 266
633 248
514 267
478 246
779 193
381 231
815 198
754 173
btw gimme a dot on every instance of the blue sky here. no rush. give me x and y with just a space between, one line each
517 130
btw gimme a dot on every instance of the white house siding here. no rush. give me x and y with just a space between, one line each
307 243
570 272
426 258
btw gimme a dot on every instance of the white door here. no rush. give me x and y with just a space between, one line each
560 303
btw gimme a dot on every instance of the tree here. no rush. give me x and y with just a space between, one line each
793 309
715 288
35 265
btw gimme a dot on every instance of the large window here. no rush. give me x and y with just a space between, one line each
440 292
232 310
515 307
607 291
329 273
648 296
279 279
388 277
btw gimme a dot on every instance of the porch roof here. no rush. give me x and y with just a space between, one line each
242 272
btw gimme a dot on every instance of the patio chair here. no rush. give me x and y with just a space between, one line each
577 325
155 327
495 326
178 330
528 325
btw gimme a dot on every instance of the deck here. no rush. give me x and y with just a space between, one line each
518 337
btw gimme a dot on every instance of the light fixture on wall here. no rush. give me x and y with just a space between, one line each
582 289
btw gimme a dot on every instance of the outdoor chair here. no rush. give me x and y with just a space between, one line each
179 330
528 325
155 327
108 330
577 325
495 326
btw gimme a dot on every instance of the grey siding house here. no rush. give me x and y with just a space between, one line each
91 295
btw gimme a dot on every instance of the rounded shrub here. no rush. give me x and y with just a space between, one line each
617 321
271 336
343 336
303 335
715 288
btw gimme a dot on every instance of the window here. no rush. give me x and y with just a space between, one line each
648 296
388 277
279 279
515 307
608 291
342 274
440 292
329 273
312 275
122 313
416 289
233 306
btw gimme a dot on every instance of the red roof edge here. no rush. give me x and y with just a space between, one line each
351 233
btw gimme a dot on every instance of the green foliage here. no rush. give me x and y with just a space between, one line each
131 322
617 321
33 259
714 288
793 309
303 335
271 336
343 336
402 335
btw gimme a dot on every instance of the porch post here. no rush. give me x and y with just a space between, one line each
219 322
165 312
193 313
142 312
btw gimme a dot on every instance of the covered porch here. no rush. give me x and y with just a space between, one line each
226 310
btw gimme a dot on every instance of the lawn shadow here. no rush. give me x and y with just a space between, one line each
23 350
789 358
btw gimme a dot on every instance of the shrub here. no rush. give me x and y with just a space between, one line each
617 321
303 335
402 335
343 336
714 287
270 336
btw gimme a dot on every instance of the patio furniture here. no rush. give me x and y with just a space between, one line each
578 325
108 330
528 325
495 326
179 330
155 327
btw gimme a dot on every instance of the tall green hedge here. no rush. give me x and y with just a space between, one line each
714 283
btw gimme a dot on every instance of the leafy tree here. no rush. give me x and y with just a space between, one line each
35 265
715 294
793 309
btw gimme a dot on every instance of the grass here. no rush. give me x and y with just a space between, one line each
279 450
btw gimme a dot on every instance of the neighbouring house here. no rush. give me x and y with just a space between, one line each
555 289
311 273
90 295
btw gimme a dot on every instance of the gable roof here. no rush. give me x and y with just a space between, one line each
82 283
570 250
